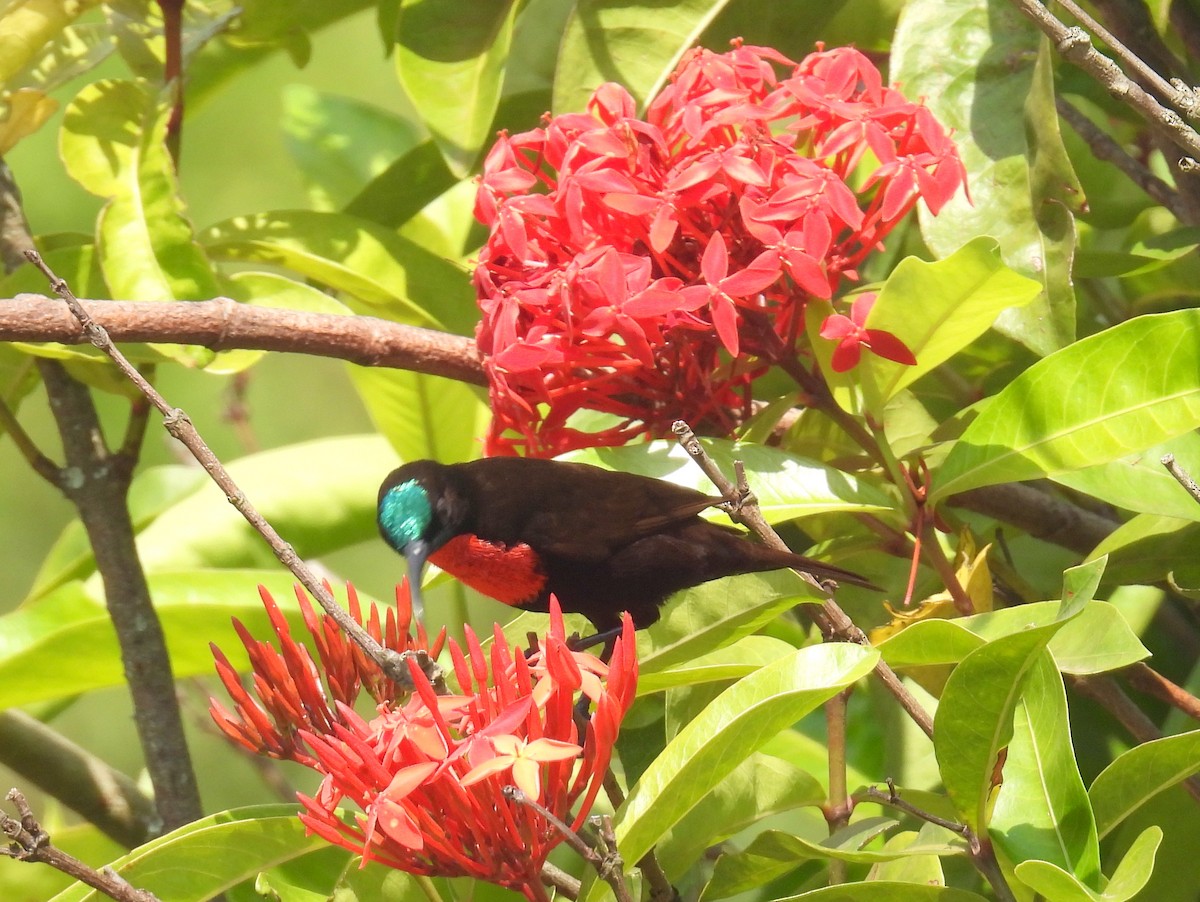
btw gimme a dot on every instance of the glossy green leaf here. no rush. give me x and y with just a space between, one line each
760 787
1096 640
1079 586
30 29
1149 548
370 263
1042 810
451 67
113 144
152 491
715 614
1141 773
635 45
424 416
993 74
884 891
64 644
340 143
920 867
1123 390
211 855
401 190
959 299
974 719
739 721
1132 874
786 486
1139 482
774 853
731 662
319 495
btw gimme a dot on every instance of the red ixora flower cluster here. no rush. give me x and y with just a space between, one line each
627 253
428 773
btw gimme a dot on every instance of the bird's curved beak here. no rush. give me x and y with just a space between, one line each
416 553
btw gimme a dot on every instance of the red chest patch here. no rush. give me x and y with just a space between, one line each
510 574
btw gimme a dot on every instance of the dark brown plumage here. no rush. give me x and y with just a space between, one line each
603 542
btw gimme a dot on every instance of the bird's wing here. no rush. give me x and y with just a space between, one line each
584 512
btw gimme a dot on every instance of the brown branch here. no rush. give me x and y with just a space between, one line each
177 423
103 795
1145 678
1076 47
222 324
28 841
97 482
1040 514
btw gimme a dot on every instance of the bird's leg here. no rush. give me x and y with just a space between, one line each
608 638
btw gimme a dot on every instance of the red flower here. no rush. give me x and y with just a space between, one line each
852 336
629 259
427 775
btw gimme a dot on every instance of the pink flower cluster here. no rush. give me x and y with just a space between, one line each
652 267
428 774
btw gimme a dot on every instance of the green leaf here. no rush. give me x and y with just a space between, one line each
635 45
371 263
994 71
1134 871
760 787
1140 774
319 495
211 855
774 853
716 614
732 727
1123 390
1042 811
113 143
1139 482
1148 548
732 662
423 416
340 143
1079 586
1095 640
451 67
1131 876
785 485
403 189
64 644
974 719
959 299
884 891
30 29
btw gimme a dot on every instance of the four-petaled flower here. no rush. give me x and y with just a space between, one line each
426 774
852 335
653 267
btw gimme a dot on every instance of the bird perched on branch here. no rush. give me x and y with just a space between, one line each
518 529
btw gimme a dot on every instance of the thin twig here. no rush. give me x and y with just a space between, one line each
107 798
180 426
838 806
608 865
1076 47
1181 476
41 464
979 848
835 625
30 842
563 882
1104 148
1145 678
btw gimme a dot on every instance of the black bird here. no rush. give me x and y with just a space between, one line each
517 529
